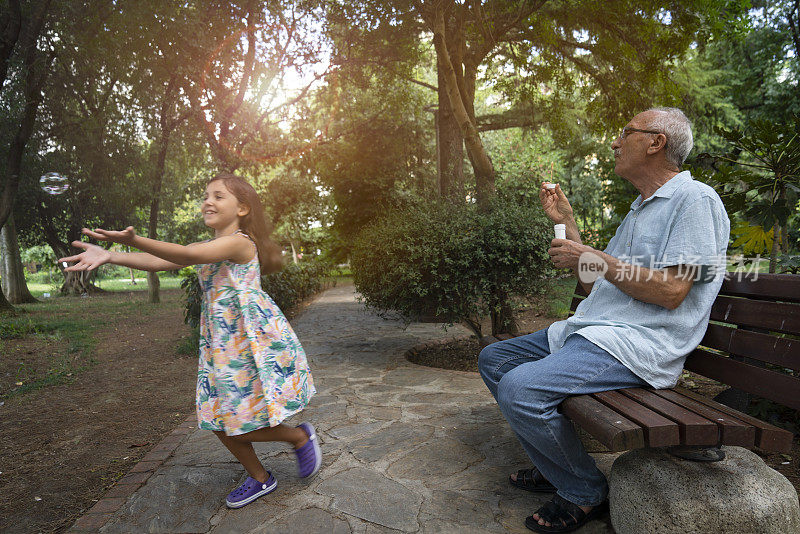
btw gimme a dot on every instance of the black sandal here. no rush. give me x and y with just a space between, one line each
532 480
563 515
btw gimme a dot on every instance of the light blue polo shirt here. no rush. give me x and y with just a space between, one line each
682 223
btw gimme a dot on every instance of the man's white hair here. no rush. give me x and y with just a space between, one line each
674 124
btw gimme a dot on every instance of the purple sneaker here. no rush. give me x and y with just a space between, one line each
309 456
250 490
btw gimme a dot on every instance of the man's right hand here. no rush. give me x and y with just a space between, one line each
555 204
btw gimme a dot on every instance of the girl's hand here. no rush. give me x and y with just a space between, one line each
124 237
92 257
555 204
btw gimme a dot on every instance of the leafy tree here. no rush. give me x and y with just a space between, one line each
762 181
157 59
247 52
620 56
86 131
379 155
19 53
738 88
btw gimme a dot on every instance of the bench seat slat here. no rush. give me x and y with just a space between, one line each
763 347
733 431
694 429
777 316
611 429
771 385
768 437
658 430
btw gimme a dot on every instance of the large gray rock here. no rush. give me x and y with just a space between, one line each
655 492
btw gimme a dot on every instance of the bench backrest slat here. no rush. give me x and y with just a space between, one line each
778 387
783 287
766 348
775 316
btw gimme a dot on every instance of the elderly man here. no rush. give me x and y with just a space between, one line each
640 320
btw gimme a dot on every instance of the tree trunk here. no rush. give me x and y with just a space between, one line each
461 106
785 238
450 149
79 283
13 276
776 248
503 321
294 252
166 125
36 69
5 306
153 287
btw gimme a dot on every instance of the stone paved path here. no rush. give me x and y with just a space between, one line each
406 448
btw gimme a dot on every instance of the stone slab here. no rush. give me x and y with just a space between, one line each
176 500
373 497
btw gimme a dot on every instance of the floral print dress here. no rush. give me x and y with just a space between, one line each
253 373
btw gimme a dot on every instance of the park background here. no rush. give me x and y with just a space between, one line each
397 144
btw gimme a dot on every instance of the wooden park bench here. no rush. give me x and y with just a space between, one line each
752 344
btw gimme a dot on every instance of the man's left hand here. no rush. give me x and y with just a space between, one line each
565 253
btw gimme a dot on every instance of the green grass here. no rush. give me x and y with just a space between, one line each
343 272
559 296
70 336
61 330
38 289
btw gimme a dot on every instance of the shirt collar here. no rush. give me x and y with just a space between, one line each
667 189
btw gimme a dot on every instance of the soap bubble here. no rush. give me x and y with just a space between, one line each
53 183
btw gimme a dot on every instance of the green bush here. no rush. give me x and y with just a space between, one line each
295 283
455 262
287 288
194 296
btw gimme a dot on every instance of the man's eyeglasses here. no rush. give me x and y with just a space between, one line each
626 130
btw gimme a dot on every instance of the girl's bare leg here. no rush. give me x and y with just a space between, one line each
296 436
241 446
243 451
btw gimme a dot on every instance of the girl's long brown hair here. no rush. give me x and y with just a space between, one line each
254 224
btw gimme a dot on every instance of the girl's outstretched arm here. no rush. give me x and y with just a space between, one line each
93 257
235 248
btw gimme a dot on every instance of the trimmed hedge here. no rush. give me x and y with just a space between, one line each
453 261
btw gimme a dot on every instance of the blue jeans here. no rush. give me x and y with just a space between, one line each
529 383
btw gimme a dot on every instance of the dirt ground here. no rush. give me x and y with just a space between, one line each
63 446
463 356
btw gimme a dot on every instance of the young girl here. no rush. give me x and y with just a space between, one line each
253 372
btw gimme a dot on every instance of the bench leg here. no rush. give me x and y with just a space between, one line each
697 453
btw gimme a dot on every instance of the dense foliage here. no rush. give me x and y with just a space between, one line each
287 287
457 262
335 110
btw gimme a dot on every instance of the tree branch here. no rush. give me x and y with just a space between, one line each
11 24
518 117
794 23
423 84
